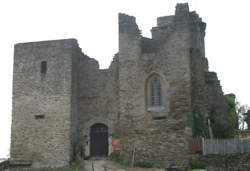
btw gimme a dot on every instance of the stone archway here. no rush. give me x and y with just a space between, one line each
99 140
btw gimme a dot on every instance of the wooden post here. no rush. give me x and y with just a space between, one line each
210 130
133 157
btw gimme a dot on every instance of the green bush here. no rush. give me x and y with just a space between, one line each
87 157
197 165
223 129
117 157
144 164
75 165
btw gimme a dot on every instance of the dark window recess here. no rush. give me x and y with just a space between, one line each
159 118
43 67
39 116
155 92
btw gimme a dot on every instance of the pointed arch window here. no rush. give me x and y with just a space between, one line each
155 92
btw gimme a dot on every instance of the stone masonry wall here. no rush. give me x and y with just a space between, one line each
98 101
199 65
159 135
42 103
217 104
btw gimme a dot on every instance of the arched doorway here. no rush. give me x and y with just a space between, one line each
99 140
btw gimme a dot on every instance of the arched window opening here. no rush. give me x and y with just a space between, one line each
155 92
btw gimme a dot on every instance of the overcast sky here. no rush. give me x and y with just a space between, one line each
95 25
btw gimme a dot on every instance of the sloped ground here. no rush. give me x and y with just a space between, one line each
105 165
95 165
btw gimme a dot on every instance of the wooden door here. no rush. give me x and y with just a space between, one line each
99 140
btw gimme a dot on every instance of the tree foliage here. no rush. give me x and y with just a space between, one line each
237 112
223 127
226 127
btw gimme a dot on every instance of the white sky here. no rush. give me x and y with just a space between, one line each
95 25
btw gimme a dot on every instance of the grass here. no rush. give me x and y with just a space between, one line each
75 166
199 165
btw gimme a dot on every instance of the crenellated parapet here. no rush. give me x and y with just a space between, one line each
183 20
182 11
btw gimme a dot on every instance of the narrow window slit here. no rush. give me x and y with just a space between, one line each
159 118
39 116
43 67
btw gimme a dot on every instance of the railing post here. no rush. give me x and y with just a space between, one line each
217 150
241 145
203 146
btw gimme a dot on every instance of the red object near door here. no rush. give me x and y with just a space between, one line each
116 144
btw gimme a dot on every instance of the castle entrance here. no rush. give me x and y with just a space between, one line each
99 140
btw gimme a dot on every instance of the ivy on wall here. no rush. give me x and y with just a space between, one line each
199 125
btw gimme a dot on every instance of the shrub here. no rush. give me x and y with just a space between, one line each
198 165
117 157
75 165
144 164
86 157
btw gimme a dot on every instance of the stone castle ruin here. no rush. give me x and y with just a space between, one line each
64 106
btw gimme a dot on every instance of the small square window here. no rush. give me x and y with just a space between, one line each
39 116
43 67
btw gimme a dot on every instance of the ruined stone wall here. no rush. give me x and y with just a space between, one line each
207 94
158 135
98 99
199 65
42 103
217 104
74 135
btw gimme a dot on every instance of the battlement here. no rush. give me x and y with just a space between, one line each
183 20
182 9
182 15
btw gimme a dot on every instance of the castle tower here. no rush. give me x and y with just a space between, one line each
155 86
44 112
